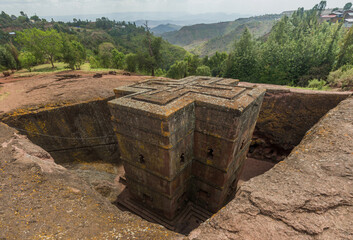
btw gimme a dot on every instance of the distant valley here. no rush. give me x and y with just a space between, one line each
165 28
155 18
207 39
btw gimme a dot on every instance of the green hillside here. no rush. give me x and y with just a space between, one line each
206 39
164 28
125 37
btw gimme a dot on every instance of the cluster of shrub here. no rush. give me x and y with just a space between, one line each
103 43
300 50
39 47
194 65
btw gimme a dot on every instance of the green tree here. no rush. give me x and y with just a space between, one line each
203 71
299 48
118 59
131 62
178 70
193 62
216 63
13 50
242 63
73 53
348 6
105 54
321 7
27 60
42 44
7 61
345 55
35 18
150 58
94 62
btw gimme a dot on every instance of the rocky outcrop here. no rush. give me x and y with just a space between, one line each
307 196
42 200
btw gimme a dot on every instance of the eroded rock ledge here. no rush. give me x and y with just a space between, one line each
309 195
42 200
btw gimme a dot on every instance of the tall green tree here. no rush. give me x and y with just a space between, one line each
150 58
118 59
242 63
178 70
203 71
298 49
42 44
345 55
73 53
105 54
131 62
216 63
7 61
193 62
28 60
347 6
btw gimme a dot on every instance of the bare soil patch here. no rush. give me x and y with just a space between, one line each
63 87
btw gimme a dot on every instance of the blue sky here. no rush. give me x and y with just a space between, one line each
72 7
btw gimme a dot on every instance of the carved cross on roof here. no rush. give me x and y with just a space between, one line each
164 97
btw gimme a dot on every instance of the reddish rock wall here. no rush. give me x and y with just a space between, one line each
307 196
74 132
286 115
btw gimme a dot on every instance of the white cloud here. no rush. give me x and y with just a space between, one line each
77 7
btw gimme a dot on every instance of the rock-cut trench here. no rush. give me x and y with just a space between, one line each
81 137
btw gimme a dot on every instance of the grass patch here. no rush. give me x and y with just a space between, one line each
325 88
4 95
59 67
87 67
42 69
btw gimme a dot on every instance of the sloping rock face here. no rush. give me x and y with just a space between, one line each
42 200
307 196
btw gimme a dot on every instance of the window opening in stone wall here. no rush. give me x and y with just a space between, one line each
141 159
182 158
210 153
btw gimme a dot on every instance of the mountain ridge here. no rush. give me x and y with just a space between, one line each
206 39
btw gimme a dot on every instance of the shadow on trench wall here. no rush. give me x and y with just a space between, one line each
285 118
73 133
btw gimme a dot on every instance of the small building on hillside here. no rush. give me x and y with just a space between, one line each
328 18
338 16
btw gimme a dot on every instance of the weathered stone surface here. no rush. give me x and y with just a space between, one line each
42 200
184 140
78 132
287 114
307 196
